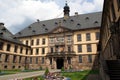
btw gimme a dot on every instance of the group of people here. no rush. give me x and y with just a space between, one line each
54 76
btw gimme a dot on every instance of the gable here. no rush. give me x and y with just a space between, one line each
60 30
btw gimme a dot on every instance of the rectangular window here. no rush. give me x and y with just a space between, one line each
69 49
6 58
43 41
79 37
37 51
79 48
69 38
51 40
42 60
32 42
30 60
80 59
88 37
26 51
15 49
14 59
60 39
43 50
36 60
31 51
20 58
37 42
69 60
97 35
90 58
26 42
51 49
89 49
8 47
21 49
50 61
1 45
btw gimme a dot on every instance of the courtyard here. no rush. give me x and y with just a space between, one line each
38 75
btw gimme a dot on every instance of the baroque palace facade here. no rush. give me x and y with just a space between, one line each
69 42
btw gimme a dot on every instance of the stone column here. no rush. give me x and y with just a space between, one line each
65 63
54 63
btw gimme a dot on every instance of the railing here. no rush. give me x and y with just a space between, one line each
61 53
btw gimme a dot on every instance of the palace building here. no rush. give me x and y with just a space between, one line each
69 42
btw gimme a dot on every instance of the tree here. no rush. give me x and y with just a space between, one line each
46 71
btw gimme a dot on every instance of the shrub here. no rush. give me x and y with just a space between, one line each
62 69
46 71
40 68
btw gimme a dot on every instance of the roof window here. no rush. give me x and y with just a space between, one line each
56 23
72 20
4 29
43 24
87 18
19 33
1 33
96 22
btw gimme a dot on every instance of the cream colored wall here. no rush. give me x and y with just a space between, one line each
12 48
40 46
93 42
84 43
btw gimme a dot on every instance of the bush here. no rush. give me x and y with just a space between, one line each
40 68
46 71
62 69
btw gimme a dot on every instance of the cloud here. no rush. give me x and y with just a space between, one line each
17 14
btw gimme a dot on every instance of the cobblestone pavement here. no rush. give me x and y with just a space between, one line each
23 75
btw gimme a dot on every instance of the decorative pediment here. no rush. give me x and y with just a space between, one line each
60 30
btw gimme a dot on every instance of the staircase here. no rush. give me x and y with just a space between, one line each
113 69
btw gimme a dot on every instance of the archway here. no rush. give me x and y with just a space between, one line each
60 63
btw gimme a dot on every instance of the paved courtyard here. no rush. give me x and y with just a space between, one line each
23 75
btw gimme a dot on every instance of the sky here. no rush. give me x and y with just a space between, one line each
18 14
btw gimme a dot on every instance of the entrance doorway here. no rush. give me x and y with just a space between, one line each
60 63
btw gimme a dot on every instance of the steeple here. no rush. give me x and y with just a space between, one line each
66 11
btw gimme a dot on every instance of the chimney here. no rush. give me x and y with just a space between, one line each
1 24
76 13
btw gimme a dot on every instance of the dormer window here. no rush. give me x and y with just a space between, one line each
29 27
72 20
19 33
64 20
96 22
4 29
43 24
87 18
38 20
56 23
1 33
33 31
46 29
78 25
14 37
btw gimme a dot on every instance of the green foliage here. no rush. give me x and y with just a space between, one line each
70 67
46 71
32 78
82 75
62 69
41 68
